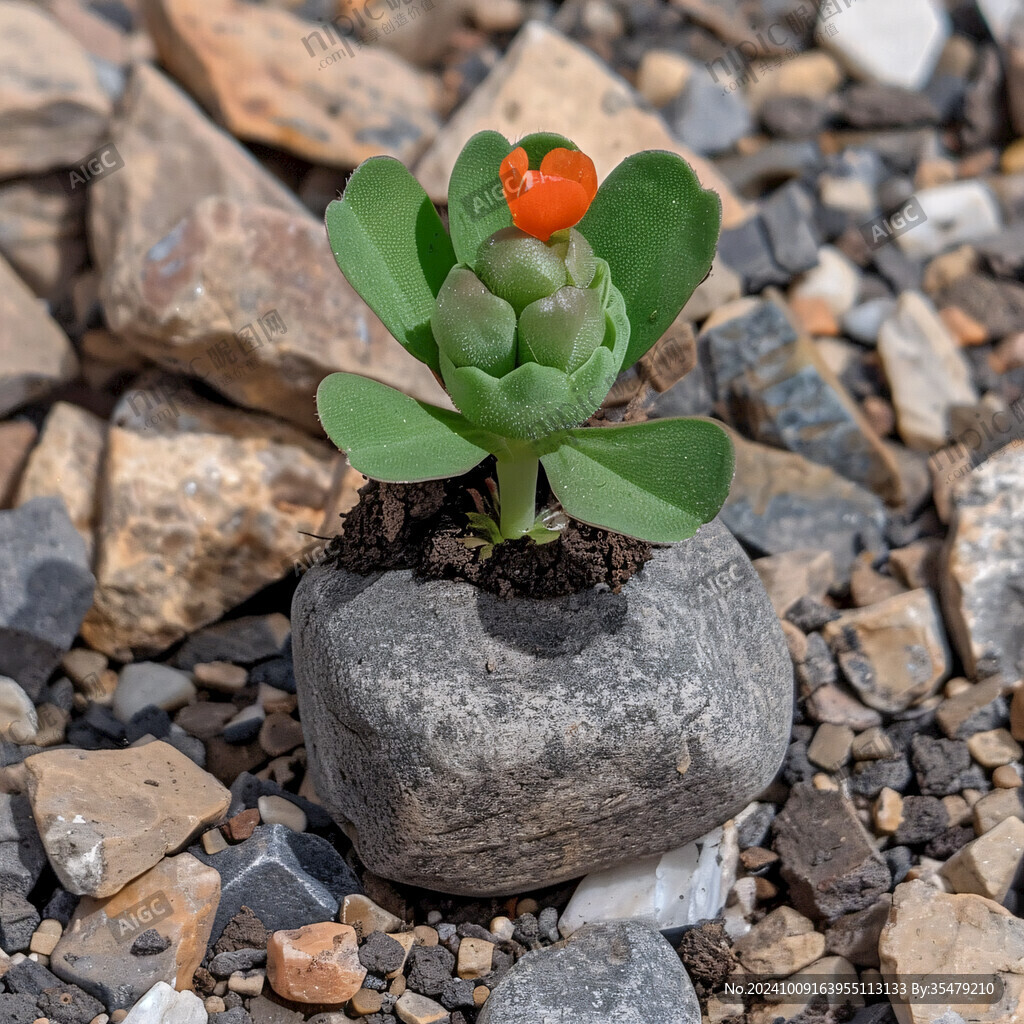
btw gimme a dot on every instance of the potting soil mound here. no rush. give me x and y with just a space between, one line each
419 526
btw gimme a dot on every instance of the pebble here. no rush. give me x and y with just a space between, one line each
943 767
933 933
972 709
895 45
661 75
790 575
780 944
474 959
221 676
241 641
288 879
279 734
871 745
100 949
621 971
18 718
318 963
245 726
1007 776
148 683
887 812
502 928
831 746
162 1005
413 1008
383 954
107 816
247 984
893 652
366 917
275 810
981 565
994 748
953 214
681 887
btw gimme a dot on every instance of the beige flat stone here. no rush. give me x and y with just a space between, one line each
987 865
793 574
106 816
934 933
365 916
993 748
780 944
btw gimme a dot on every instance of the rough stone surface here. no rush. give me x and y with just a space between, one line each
105 816
29 371
66 464
792 575
240 641
779 499
779 944
176 899
45 590
894 652
318 963
623 972
202 508
988 866
288 879
22 856
926 372
513 100
983 582
260 74
53 108
935 933
549 710
264 337
828 858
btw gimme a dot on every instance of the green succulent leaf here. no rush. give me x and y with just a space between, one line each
390 436
389 242
658 481
657 228
476 202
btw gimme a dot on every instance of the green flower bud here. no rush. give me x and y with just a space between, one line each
519 268
561 330
472 327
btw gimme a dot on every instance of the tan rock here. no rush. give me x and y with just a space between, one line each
475 957
44 232
868 586
813 74
965 329
280 733
927 373
662 75
887 812
412 1008
793 574
780 944
956 714
177 897
196 519
16 440
318 963
830 748
270 77
221 676
894 652
1006 776
981 593
106 816
917 565
54 110
872 745
249 299
365 916
67 462
425 39
957 809
365 1002
933 933
987 865
993 748
515 100
28 371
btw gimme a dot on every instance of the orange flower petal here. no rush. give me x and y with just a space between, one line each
548 206
573 165
514 169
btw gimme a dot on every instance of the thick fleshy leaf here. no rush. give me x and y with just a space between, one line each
390 436
390 243
657 228
476 201
658 481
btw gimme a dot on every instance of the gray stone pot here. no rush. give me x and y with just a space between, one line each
486 747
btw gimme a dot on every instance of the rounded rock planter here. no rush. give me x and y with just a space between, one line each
486 747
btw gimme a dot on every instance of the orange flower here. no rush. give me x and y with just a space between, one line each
555 197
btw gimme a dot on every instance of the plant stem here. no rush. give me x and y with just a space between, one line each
517 494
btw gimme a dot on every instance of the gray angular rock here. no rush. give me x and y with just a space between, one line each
22 856
480 746
46 588
623 972
288 879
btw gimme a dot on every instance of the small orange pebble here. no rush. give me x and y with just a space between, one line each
963 326
815 315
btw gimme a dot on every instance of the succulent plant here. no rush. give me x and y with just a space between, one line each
526 313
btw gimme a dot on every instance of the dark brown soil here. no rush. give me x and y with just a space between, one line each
418 526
